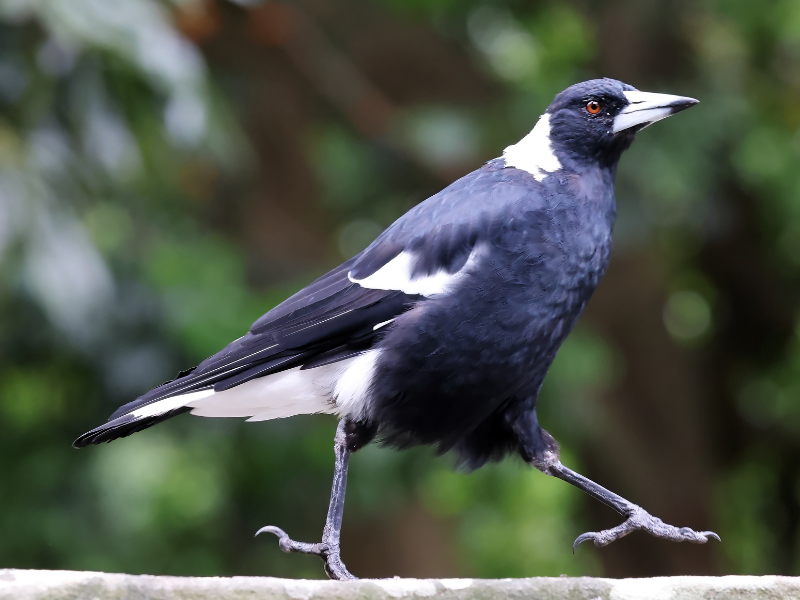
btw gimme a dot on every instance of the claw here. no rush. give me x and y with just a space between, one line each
640 519
710 534
591 535
272 529
287 544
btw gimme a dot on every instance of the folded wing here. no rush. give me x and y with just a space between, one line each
337 318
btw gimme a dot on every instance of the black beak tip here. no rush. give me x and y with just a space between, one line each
683 104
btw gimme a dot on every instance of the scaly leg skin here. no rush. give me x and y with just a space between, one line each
328 548
637 517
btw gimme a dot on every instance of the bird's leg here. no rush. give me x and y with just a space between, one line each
636 516
540 449
328 548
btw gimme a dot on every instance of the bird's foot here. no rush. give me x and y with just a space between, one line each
639 518
327 551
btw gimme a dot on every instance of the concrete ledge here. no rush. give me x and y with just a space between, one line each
71 585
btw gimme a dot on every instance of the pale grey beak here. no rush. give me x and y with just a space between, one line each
646 108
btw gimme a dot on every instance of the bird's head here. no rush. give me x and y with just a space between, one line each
595 121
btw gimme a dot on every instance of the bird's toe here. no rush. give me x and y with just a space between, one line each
584 537
327 551
287 544
698 537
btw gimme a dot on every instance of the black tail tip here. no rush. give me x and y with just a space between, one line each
115 428
123 427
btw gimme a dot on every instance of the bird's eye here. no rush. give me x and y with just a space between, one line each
593 107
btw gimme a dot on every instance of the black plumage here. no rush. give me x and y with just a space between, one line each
332 317
441 332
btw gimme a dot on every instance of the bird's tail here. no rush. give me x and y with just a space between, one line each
159 404
124 426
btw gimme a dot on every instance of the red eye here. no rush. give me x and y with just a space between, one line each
593 107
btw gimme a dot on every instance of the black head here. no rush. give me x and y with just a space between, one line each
595 121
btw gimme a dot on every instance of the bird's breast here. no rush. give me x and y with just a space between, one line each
451 361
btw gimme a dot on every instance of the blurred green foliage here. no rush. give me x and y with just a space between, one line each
116 273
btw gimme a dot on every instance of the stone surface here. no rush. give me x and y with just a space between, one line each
72 585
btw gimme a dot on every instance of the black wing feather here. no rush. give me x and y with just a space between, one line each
332 318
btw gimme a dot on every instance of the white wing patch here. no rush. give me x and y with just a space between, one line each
534 153
396 275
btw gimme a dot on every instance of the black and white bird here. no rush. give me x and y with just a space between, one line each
442 330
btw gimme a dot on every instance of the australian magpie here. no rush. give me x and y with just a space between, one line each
442 330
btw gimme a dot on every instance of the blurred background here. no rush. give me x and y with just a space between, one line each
171 170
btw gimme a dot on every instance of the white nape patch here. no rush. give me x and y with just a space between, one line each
167 404
645 107
534 153
352 387
379 325
396 275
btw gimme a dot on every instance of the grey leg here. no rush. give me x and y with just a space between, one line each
636 516
328 548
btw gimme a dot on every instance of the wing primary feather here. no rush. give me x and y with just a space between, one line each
260 371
